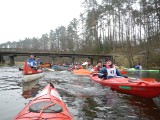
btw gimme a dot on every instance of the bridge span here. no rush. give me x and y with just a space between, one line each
12 53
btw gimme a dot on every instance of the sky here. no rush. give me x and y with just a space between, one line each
20 19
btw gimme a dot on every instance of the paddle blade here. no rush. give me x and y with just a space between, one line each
149 79
123 72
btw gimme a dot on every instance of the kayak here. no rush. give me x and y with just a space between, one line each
82 72
47 105
28 70
30 74
147 88
32 77
45 65
133 69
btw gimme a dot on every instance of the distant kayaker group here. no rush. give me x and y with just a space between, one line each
105 71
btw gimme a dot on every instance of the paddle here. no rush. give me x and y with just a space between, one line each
123 72
144 79
45 69
148 79
50 69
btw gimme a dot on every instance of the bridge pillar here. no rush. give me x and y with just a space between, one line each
2 59
73 59
53 60
11 60
91 59
103 61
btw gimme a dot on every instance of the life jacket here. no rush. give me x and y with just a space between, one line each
31 62
111 70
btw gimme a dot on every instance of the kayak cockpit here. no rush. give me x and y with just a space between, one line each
45 107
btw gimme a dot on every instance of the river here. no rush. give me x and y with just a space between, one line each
86 100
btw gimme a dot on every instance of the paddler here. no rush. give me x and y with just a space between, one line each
109 70
97 68
32 62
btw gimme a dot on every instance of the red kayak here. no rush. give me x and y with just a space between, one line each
144 88
47 105
28 70
30 74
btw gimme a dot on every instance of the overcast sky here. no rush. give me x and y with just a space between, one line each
32 18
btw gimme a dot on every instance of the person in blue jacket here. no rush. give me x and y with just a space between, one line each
109 71
32 62
139 67
39 61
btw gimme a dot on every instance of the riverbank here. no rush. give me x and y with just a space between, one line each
122 60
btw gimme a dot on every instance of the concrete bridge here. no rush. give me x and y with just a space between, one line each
13 52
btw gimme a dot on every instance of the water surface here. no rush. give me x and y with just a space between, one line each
86 100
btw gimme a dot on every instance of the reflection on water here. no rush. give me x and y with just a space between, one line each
85 99
30 89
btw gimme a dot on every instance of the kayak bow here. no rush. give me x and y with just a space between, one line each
47 105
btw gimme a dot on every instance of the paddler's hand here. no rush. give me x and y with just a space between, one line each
125 76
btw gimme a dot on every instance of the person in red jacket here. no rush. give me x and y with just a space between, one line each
97 68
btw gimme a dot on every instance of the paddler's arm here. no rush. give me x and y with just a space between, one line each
119 74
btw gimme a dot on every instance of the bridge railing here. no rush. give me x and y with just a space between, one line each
19 50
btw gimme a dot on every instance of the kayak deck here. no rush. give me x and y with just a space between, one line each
47 105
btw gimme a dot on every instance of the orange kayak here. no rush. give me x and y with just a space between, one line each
47 105
45 65
82 72
147 88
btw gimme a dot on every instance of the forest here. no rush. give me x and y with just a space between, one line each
127 29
